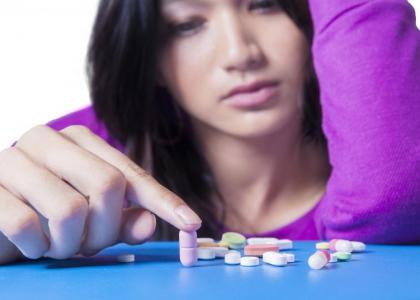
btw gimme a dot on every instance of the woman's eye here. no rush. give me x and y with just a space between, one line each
264 4
185 28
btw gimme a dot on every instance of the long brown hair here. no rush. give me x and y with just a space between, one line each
121 68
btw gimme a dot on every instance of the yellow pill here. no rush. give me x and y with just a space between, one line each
223 244
322 246
207 244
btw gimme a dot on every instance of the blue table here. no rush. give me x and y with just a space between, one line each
382 272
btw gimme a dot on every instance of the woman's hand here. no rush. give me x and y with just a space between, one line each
62 193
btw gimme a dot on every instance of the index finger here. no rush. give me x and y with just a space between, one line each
142 188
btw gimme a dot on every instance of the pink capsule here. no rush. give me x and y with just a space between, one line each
188 239
188 254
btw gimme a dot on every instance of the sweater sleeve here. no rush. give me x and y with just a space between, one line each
367 59
86 117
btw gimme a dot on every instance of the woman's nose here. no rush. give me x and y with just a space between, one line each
239 47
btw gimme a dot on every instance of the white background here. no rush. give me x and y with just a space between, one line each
43 46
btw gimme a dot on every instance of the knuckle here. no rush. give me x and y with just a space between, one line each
22 223
77 207
9 154
76 130
112 179
36 132
134 171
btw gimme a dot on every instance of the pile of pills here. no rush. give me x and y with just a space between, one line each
230 247
341 250
233 244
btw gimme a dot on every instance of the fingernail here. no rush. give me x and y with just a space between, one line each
187 215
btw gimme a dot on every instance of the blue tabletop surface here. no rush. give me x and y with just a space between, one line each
382 272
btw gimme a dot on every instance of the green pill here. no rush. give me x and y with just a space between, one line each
343 256
234 240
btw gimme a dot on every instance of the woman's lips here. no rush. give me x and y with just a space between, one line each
252 99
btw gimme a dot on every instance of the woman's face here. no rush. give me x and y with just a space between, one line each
213 46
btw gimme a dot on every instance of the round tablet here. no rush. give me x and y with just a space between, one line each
317 261
126 258
250 261
233 258
206 253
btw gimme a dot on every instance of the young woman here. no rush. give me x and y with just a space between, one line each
215 109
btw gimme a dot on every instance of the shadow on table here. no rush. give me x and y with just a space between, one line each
107 260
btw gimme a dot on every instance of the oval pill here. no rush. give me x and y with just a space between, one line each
250 261
259 249
343 246
285 244
262 240
290 257
358 246
275 258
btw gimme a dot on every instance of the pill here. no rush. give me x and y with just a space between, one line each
187 239
223 244
126 258
341 245
318 260
188 256
275 258
259 249
262 240
205 240
250 261
343 256
322 246
233 258
285 244
235 240
358 246
333 258
188 253
290 257
219 251
206 253
207 244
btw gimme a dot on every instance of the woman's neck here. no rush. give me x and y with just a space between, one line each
266 181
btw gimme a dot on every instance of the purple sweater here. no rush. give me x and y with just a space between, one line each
367 58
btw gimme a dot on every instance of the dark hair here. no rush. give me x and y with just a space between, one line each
122 71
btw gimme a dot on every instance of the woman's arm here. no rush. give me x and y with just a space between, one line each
367 58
